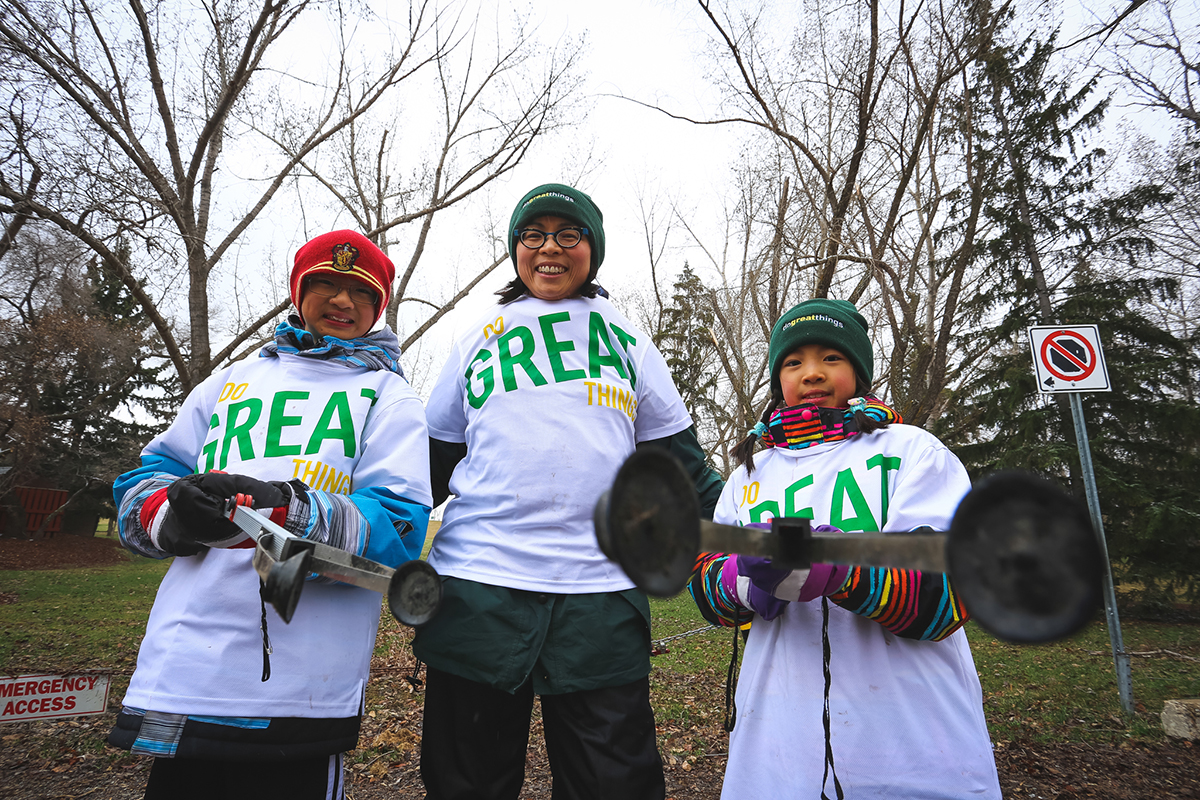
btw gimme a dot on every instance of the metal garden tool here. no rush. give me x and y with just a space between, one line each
284 561
1022 553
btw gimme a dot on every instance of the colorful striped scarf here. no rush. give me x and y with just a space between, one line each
803 425
378 350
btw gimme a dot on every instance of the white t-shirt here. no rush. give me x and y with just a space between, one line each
550 398
338 428
906 716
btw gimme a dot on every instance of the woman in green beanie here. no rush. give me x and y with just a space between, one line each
856 682
539 404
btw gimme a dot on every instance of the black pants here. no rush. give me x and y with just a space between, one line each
601 742
317 778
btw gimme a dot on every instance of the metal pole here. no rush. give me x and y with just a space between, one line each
1120 657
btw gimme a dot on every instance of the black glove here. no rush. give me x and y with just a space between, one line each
198 505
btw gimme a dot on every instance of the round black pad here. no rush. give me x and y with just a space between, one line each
1024 559
414 593
284 583
600 521
649 522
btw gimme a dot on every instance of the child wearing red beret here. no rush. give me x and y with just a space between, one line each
325 434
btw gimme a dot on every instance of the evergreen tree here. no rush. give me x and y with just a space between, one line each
684 337
1065 252
108 400
82 388
1143 435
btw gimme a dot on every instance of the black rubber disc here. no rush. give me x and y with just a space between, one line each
284 583
414 593
1024 559
649 522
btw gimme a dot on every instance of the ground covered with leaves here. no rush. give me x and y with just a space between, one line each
68 758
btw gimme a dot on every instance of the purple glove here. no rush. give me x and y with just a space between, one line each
751 582
823 579
766 589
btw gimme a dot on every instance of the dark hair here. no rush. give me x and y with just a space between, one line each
516 289
743 451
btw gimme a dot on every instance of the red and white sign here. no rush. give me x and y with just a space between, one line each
1068 358
48 696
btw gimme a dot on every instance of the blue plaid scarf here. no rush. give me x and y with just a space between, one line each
378 350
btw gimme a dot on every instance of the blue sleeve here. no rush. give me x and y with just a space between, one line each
132 490
385 510
374 523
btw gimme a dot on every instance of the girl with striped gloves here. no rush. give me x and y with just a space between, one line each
856 682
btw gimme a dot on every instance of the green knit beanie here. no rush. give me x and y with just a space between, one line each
833 323
558 200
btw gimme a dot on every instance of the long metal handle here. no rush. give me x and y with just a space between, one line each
921 551
1021 553
328 561
283 561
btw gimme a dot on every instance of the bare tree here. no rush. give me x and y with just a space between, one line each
494 102
176 127
879 192
1158 58
744 256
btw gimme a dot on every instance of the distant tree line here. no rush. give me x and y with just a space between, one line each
944 166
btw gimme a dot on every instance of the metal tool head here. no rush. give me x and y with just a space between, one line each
285 581
649 522
1024 559
414 593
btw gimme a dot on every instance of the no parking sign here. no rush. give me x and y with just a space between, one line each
1068 358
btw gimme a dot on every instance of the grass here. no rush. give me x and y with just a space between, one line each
1067 691
1060 692
66 621
77 618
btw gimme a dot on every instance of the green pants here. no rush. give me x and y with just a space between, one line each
564 642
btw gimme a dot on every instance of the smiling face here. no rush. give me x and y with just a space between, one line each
552 272
337 316
817 374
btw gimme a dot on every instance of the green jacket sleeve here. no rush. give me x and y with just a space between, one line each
443 458
686 447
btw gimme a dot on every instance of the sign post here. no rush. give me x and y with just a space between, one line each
1068 359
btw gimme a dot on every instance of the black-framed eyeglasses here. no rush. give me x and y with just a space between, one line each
566 237
361 295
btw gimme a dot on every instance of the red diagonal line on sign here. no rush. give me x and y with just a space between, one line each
1081 364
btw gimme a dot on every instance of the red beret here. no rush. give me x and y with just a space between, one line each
346 253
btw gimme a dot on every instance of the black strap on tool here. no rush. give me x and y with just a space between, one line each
262 602
731 685
414 680
829 768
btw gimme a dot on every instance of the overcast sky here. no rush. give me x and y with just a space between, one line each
653 51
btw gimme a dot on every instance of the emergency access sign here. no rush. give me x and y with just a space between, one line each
47 696
1068 358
